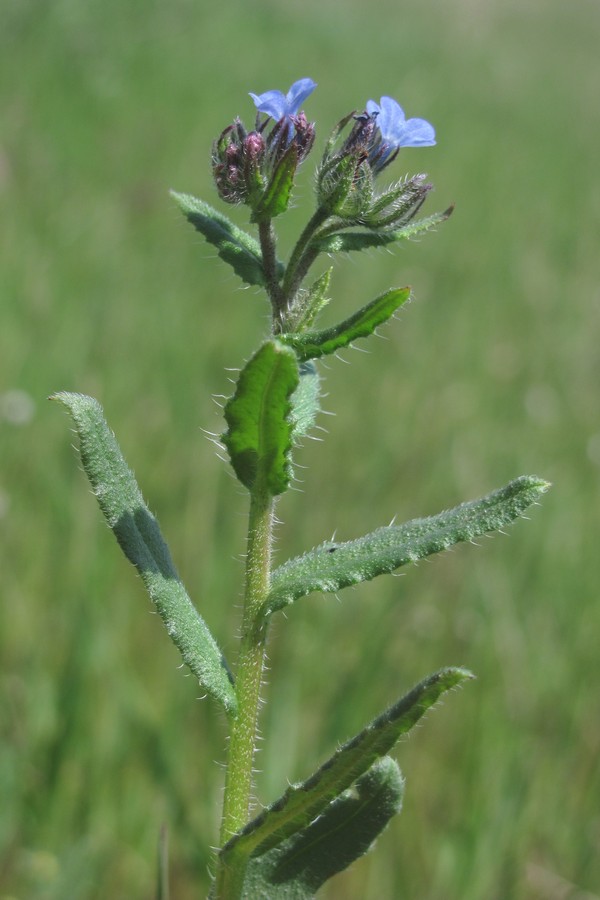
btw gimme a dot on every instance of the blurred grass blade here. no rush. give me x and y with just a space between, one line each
330 566
234 245
140 539
162 886
259 436
312 344
302 803
305 400
345 241
344 832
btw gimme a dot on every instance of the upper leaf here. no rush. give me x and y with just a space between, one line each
332 566
234 245
139 536
259 437
276 197
345 831
302 803
345 241
312 344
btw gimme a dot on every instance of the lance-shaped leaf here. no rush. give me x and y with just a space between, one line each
276 197
345 241
139 536
305 400
344 832
312 344
308 304
302 803
237 248
259 437
332 566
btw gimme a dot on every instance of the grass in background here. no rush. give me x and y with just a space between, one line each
492 372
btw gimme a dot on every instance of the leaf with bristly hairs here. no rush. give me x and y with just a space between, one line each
259 416
297 851
235 246
346 241
140 539
333 566
276 197
345 831
312 344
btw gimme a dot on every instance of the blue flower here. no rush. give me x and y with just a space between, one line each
280 106
396 130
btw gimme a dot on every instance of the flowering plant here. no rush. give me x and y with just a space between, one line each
319 827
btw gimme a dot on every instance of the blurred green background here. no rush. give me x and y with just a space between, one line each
492 373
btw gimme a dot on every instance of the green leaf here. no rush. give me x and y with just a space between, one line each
312 344
344 832
276 197
305 400
332 566
344 242
308 304
140 539
302 803
259 437
237 248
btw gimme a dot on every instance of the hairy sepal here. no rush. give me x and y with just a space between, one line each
333 566
237 248
313 344
260 421
140 539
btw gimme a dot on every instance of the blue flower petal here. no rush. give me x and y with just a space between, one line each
390 120
278 106
273 103
418 133
298 93
396 131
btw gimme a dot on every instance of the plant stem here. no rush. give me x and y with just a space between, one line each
268 246
242 743
297 268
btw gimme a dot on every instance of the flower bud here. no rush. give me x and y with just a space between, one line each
237 161
344 181
248 167
398 204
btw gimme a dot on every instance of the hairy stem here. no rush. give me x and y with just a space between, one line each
237 800
268 246
301 258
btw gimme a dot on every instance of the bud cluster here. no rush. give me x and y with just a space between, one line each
345 181
246 163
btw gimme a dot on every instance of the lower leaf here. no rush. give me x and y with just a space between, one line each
140 539
344 832
302 803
